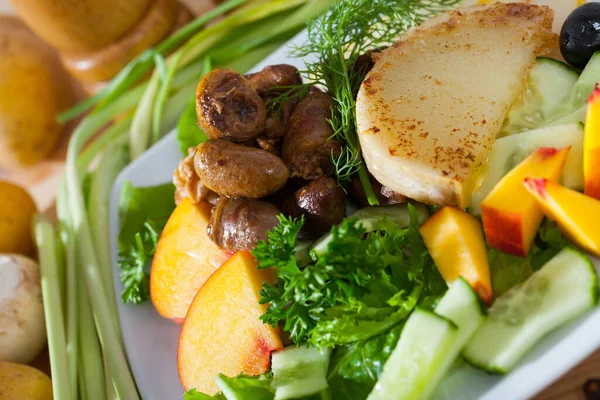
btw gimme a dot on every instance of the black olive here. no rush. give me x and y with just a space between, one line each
580 35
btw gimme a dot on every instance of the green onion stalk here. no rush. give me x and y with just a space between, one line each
87 353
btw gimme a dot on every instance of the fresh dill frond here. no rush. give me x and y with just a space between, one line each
347 163
285 94
336 40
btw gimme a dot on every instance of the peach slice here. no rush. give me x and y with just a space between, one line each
591 146
185 258
455 241
222 332
577 215
511 217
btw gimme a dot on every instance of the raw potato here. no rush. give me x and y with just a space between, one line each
104 63
20 382
34 88
16 211
22 325
81 25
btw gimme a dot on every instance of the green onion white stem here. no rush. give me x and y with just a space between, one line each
114 159
107 331
46 242
90 352
70 294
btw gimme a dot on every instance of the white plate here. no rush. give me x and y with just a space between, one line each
151 341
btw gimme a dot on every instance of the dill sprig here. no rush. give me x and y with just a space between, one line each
335 42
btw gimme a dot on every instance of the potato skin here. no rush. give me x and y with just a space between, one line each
22 323
18 382
16 211
34 88
104 63
81 26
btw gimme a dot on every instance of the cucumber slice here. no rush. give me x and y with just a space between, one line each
581 90
508 151
561 290
548 84
462 306
299 371
425 340
368 217
576 116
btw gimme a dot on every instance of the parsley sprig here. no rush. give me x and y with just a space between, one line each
301 295
372 279
132 261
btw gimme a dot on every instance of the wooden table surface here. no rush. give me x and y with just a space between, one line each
42 181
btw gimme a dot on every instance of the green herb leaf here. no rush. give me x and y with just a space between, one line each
246 387
358 322
508 270
132 261
354 369
143 213
189 133
241 387
278 250
193 394
301 296
364 283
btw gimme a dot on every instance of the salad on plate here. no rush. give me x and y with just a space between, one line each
420 194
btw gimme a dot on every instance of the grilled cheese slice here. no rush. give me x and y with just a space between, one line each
431 107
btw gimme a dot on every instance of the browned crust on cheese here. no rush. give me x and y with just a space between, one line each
536 23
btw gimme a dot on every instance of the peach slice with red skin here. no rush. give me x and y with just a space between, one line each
222 332
511 217
185 258
591 146
456 244
577 215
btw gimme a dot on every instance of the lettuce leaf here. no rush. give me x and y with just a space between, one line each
508 270
143 213
189 133
193 394
241 387
354 369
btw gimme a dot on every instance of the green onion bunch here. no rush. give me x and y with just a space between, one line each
124 119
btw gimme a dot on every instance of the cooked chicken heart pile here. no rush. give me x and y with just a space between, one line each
264 158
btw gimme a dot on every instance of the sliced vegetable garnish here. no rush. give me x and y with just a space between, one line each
576 213
591 146
563 289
